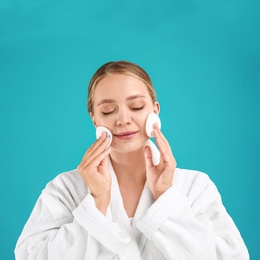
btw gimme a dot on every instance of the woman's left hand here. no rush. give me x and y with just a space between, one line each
160 176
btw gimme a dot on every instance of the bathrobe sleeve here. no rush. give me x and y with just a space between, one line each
190 222
58 228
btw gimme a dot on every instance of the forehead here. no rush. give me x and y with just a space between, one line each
118 86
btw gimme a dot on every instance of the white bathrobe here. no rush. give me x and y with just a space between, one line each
188 221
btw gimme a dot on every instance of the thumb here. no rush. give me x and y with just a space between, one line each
148 157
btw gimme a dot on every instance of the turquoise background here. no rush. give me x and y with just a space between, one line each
203 57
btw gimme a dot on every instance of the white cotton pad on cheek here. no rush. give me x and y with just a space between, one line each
100 130
150 121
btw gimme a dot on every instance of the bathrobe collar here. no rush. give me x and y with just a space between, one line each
116 209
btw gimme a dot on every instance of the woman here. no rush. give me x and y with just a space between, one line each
119 204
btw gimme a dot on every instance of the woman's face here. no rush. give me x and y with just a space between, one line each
122 103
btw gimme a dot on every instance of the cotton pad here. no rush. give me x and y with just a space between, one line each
150 121
100 130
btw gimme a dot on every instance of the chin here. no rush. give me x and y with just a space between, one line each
130 146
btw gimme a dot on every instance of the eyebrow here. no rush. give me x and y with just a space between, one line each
103 101
135 96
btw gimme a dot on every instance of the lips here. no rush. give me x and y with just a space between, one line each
126 135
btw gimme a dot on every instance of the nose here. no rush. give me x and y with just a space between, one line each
124 118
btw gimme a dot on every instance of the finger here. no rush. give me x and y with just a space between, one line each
94 146
104 165
104 161
161 142
91 149
95 152
158 134
148 157
164 151
100 150
98 147
95 162
164 147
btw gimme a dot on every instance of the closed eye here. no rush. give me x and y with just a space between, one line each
107 113
137 108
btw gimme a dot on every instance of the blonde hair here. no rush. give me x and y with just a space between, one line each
119 67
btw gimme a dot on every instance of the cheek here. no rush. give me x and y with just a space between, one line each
142 122
106 121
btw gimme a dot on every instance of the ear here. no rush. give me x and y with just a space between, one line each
156 107
93 119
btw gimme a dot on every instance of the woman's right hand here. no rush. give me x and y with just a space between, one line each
94 170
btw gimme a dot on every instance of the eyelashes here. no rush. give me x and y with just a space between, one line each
108 113
137 108
131 108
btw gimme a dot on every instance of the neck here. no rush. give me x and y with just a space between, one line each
129 167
